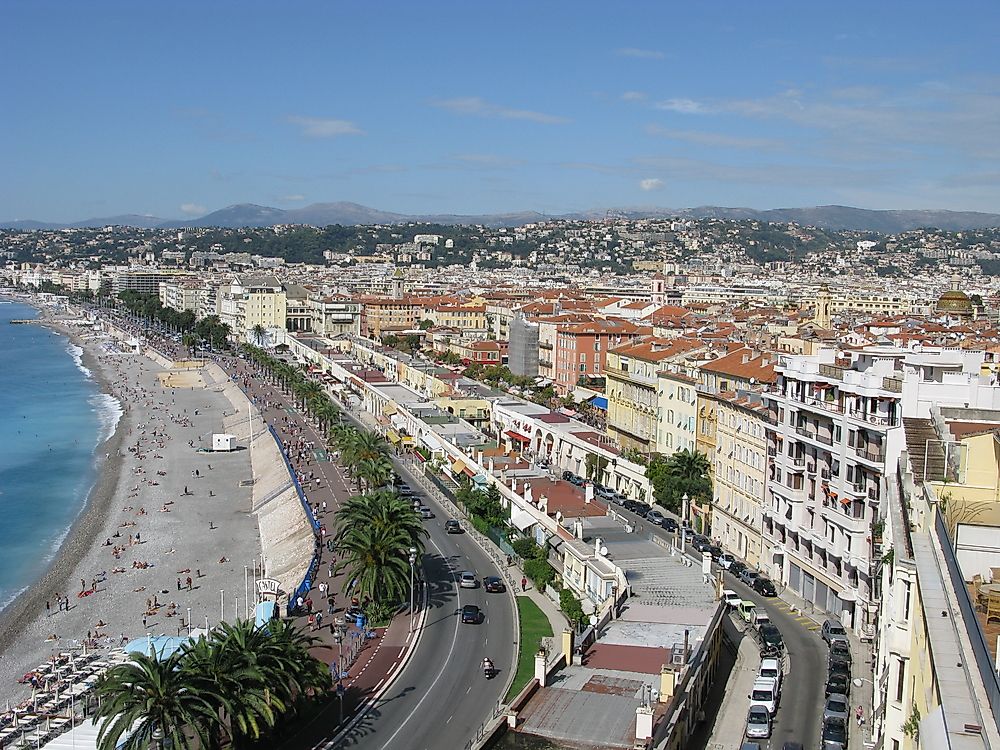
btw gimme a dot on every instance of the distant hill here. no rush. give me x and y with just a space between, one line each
346 213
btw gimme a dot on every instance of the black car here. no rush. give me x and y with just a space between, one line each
838 684
567 475
451 526
493 585
714 551
838 666
669 524
699 541
840 650
736 568
471 615
770 637
764 587
834 734
578 481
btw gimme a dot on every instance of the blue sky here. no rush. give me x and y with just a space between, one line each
178 108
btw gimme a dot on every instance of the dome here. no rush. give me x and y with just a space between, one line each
954 301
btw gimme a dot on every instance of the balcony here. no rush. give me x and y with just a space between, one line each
876 419
831 371
545 345
845 521
820 405
871 455
817 436
544 363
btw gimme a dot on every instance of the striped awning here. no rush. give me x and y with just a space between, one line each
392 436
517 436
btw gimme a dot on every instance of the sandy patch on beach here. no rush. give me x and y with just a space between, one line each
183 379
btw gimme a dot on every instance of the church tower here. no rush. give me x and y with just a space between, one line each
822 316
659 289
396 288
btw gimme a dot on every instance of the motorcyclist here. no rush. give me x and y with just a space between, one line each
487 666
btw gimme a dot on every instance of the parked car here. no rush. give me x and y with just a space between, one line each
758 723
792 746
567 474
736 568
452 526
770 638
765 693
471 615
838 667
699 541
748 576
467 580
617 498
578 481
750 746
731 598
494 585
746 609
726 559
713 550
655 516
764 587
838 684
840 650
837 707
638 507
669 524
834 735
772 669
833 631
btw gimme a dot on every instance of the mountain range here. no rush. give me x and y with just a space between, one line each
345 213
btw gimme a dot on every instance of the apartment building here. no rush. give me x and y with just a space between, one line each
581 349
248 302
836 423
677 408
389 314
632 388
465 316
739 473
332 316
144 280
181 295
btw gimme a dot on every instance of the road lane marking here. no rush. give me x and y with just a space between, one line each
440 674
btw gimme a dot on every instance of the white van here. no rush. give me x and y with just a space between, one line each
765 693
771 669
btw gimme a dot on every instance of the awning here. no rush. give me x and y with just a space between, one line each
517 436
263 613
522 519
388 410
601 402
457 468
392 436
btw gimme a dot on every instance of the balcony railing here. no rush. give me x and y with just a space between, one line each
875 456
831 371
545 345
877 419
892 384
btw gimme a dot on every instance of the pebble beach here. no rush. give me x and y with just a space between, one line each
165 537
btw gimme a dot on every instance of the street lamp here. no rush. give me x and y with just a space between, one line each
413 560
157 738
684 520
339 631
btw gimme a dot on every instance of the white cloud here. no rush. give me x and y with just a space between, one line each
642 54
297 198
315 127
634 96
651 183
682 106
193 209
487 160
474 105
717 140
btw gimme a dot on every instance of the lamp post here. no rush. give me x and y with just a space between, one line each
157 738
684 520
413 560
339 631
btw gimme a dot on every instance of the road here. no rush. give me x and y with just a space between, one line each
801 709
441 698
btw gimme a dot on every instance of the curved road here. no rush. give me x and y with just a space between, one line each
441 698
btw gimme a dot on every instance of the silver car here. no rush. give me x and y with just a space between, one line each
836 707
468 580
758 723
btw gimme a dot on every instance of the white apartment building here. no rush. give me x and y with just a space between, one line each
836 424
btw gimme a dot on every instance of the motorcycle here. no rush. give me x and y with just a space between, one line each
488 670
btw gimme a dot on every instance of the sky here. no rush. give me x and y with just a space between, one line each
179 108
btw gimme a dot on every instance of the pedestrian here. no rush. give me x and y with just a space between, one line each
83 585
144 620
524 584
48 609
178 584
324 506
322 589
859 713
189 583
329 572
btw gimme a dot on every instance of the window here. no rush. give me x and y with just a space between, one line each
906 601
900 676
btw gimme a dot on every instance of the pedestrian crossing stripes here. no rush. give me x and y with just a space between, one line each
321 455
290 410
806 622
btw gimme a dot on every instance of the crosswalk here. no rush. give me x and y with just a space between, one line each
320 455
807 622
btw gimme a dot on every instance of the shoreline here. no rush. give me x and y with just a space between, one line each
89 522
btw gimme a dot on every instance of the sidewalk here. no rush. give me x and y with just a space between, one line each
729 730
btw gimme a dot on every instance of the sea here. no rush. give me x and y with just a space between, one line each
53 418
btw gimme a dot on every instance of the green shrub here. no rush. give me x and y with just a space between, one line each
528 550
570 606
480 524
540 573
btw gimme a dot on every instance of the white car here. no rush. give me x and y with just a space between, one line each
468 580
765 693
726 559
731 598
758 723
771 668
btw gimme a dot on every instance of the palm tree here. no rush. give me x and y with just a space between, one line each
374 534
688 465
327 414
312 394
190 340
147 696
374 472
259 334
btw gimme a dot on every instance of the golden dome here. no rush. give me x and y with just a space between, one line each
954 301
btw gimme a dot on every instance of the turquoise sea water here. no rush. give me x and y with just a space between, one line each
52 418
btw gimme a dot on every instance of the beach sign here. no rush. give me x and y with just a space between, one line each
267 586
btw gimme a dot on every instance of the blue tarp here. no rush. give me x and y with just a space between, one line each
263 613
601 402
160 646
